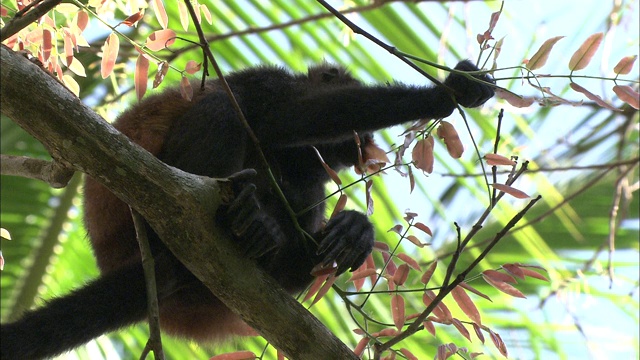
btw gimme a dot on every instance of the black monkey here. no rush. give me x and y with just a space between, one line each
289 114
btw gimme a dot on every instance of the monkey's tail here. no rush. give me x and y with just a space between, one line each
112 301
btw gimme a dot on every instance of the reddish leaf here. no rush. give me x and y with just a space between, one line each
141 75
511 191
342 201
591 96
449 135
396 229
47 44
391 266
461 329
503 286
192 67
408 354
534 274
109 55
426 276
397 310
422 155
68 49
514 270
424 228
412 180
380 246
499 276
497 341
132 19
386 332
81 20
625 65
161 13
441 310
540 57
473 290
466 304
409 261
185 89
237 355
495 159
400 277
315 286
362 344
324 289
416 241
361 274
332 174
583 55
515 100
160 39
478 331
428 325
628 95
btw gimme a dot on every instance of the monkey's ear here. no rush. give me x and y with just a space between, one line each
330 74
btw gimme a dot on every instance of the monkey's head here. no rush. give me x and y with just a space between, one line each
326 73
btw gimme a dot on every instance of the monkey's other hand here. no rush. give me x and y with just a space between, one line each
258 233
347 239
470 93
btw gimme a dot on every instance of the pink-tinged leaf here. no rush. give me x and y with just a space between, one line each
422 155
342 202
514 270
396 229
473 290
478 331
141 76
628 95
428 325
449 135
540 57
475 354
380 246
391 266
426 276
322 269
362 344
503 286
593 97
441 310
160 39
534 274
415 241
280 355
131 20
369 198
466 304
161 13
408 354
361 274
424 228
109 55
409 261
207 14
324 289
409 216
192 67
499 276
412 180
163 68
495 159
3 13
583 55
185 89
184 15
519 194
386 332
497 341
81 20
237 355
397 310
68 49
332 174
315 286
494 20
374 157
401 275
461 329
47 44
515 100
625 65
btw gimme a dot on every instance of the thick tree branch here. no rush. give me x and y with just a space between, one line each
178 205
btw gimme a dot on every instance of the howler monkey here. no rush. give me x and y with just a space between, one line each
290 114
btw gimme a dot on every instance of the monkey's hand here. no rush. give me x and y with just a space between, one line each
258 233
470 93
347 239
